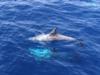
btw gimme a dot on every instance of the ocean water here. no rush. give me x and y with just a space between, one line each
21 19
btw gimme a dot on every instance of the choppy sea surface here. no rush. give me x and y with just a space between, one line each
21 19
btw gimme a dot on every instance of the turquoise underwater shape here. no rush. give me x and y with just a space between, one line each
41 53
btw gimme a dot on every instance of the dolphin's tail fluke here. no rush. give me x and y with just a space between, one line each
80 42
54 31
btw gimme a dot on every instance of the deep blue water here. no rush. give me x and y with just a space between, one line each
20 19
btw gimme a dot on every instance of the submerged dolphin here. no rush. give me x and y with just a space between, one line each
52 36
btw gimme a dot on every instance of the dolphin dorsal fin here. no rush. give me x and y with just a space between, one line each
53 31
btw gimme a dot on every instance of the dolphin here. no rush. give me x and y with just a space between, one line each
52 36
